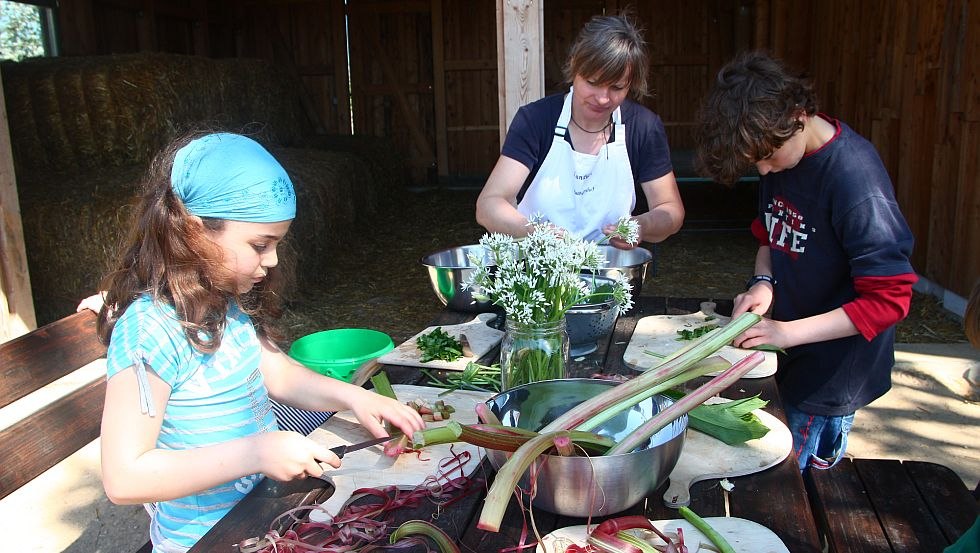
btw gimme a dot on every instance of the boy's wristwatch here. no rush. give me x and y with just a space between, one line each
760 278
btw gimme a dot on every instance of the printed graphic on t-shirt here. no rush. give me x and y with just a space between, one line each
786 227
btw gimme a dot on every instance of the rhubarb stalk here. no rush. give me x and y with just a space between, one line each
699 350
714 386
716 538
499 438
425 528
709 365
507 478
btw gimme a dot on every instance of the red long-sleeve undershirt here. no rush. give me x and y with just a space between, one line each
881 302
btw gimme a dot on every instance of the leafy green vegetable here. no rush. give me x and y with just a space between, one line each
732 422
439 344
696 332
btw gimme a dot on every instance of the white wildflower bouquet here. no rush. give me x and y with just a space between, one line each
536 280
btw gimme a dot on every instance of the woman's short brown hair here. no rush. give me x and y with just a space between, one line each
607 48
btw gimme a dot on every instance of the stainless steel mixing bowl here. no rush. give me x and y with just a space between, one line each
631 263
448 269
599 485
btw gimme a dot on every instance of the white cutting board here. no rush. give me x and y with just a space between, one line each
745 536
658 333
482 338
371 468
704 457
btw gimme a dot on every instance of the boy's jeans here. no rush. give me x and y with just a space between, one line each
818 441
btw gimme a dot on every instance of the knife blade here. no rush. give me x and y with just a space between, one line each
342 450
465 343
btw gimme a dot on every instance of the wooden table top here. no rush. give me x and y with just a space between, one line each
775 498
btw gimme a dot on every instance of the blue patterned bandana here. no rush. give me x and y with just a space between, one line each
229 176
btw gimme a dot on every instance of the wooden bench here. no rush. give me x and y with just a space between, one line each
880 505
51 434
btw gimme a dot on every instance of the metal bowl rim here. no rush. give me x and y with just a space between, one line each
679 434
424 259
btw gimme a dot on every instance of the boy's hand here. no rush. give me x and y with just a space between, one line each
756 299
766 331
284 456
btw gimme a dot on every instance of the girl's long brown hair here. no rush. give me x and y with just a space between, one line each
168 256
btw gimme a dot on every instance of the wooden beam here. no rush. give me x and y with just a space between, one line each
16 305
338 16
520 56
439 90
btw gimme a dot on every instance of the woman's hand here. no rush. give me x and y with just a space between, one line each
284 456
614 239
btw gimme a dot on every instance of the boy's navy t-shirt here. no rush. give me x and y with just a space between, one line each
830 219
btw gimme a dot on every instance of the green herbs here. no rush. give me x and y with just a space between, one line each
439 344
696 332
474 377
732 422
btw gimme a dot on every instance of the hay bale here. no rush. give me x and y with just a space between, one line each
83 130
116 110
71 237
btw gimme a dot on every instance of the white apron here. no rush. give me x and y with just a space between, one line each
580 192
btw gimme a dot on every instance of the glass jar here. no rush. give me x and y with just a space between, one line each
530 353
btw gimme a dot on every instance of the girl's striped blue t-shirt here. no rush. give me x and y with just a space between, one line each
214 398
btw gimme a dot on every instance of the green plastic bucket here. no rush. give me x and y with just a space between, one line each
338 353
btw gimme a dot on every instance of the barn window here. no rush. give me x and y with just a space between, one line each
27 29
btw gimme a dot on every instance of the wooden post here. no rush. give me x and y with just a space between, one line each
439 90
520 56
16 305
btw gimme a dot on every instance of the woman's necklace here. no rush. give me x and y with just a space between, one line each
604 127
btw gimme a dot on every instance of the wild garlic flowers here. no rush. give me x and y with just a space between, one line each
536 279
628 229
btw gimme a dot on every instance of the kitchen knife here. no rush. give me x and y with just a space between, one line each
342 450
275 489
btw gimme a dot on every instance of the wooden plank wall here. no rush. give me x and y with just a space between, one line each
470 68
392 77
904 75
307 38
689 41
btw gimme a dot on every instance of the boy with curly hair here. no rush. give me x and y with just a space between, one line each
833 263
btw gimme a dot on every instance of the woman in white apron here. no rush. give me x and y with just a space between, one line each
579 159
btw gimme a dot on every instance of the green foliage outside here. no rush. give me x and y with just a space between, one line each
20 31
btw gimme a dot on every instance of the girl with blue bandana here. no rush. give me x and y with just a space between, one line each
188 427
